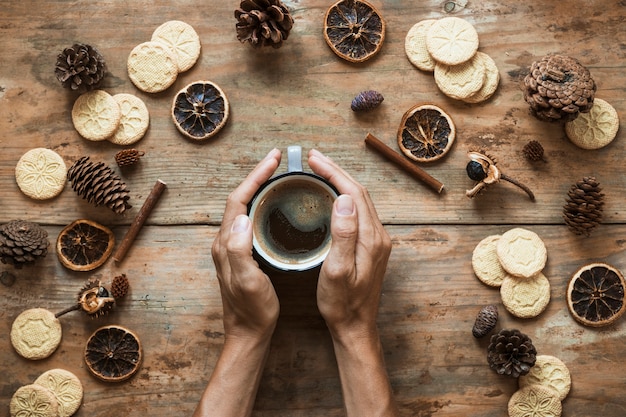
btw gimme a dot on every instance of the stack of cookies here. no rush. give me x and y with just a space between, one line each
55 393
449 48
514 262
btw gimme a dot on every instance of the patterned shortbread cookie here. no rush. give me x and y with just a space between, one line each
182 39
534 401
595 129
462 80
66 388
36 333
152 67
41 173
485 262
492 79
452 40
522 253
549 371
33 400
415 46
134 121
96 115
525 297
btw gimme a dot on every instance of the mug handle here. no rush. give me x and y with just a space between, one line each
294 158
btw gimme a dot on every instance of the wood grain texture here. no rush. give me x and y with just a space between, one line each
301 94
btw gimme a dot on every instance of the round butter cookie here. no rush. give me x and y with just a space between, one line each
152 67
66 388
535 401
134 121
522 253
462 80
551 372
415 46
41 173
452 40
182 39
33 401
525 297
36 333
96 115
595 129
485 262
491 82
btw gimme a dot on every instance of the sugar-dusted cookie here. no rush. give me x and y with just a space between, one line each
492 80
134 121
36 333
462 80
534 401
485 262
595 129
452 40
33 401
415 46
41 173
182 39
525 297
152 67
66 388
522 253
96 115
549 371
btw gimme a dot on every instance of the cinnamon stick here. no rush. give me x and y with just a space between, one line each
400 161
139 220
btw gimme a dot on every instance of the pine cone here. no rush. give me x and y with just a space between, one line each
98 184
533 151
511 353
120 286
127 157
485 321
366 100
263 22
22 243
558 87
583 208
80 67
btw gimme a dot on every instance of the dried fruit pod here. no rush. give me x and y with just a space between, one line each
94 299
128 157
485 321
366 100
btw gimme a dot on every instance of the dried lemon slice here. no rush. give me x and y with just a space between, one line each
113 353
200 110
426 133
84 245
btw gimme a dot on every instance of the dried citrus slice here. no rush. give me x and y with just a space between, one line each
200 110
84 245
595 295
354 30
113 353
426 133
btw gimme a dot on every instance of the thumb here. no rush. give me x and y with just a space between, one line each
344 230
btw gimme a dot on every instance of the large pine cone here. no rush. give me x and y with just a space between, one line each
583 208
80 67
558 87
263 22
98 184
22 243
511 353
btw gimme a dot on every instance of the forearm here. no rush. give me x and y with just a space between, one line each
232 388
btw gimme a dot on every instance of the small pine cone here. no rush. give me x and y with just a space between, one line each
80 67
263 23
127 157
558 87
98 184
22 243
120 286
485 321
511 353
582 211
533 151
366 100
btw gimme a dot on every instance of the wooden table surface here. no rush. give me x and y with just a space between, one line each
301 94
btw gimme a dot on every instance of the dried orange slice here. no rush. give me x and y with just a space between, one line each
426 133
354 30
113 353
595 295
200 110
84 245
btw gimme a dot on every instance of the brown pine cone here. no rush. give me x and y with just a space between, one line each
263 23
558 87
485 321
80 67
22 243
366 100
511 353
582 211
128 157
533 151
120 286
98 184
